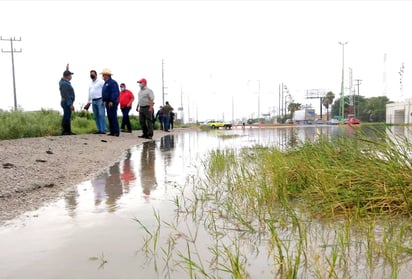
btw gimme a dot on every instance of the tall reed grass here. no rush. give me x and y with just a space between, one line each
321 209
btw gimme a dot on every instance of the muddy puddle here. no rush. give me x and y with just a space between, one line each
120 224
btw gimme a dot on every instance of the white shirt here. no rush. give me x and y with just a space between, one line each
95 89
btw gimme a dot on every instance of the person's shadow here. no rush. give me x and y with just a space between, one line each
147 168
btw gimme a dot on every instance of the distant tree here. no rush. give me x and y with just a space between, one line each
327 101
336 107
367 109
376 108
292 107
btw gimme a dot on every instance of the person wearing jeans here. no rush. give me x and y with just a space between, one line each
167 109
95 99
125 101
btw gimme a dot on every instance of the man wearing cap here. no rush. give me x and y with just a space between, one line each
67 100
110 96
125 100
95 99
145 109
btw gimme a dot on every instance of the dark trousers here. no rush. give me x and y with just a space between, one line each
126 119
166 121
112 117
146 121
67 116
161 121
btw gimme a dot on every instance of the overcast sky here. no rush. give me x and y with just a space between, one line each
215 53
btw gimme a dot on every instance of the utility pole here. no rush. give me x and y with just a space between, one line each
233 110
356 104
181 105
279 110
282 99
163 84
342 100
12 51
259 101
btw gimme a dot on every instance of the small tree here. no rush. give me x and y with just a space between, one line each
292 107
327 101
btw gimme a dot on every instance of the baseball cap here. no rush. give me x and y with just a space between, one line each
67 73
142 81
122 84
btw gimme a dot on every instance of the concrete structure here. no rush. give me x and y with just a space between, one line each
399 113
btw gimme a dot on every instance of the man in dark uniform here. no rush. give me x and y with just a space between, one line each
67 100
110 96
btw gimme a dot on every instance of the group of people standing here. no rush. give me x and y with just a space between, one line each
166 117
105 97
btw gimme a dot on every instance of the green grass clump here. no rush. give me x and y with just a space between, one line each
19 124
354 176
269 204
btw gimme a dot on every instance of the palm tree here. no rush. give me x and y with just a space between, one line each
292 107
327 101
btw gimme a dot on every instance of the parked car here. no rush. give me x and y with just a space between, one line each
353 121
289 121
333 121
319 121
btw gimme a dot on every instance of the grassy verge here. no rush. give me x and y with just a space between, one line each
20 124
323 209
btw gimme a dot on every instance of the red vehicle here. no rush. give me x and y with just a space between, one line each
353 121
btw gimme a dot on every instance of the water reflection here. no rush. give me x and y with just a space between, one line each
71 203
99 185
128 176
167 143
113 187
63 228
147 167
110 186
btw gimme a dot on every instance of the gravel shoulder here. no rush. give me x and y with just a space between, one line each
35 171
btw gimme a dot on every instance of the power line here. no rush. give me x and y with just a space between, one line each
12 51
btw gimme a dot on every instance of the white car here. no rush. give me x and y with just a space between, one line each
333 121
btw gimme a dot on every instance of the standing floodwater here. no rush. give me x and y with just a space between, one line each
132 222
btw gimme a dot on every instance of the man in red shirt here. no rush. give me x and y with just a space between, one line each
126 99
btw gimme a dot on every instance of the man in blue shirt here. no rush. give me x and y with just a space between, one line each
110 96
67 100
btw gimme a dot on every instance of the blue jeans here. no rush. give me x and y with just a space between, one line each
112 116
67 115
99 115
166 121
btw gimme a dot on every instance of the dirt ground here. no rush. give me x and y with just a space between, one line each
35 171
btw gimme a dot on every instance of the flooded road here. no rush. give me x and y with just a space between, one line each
93 231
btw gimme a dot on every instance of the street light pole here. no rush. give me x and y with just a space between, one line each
342 100
358 82
259 99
